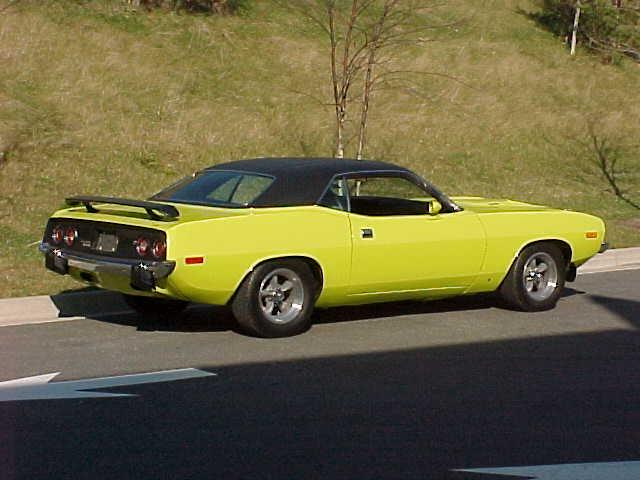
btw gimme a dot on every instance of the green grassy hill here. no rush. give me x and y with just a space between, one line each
97 99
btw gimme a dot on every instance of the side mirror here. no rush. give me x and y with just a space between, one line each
434 207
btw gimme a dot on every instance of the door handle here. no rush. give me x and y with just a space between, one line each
366 232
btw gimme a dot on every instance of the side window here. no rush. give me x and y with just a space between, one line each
224 191
217 188
240 189
388 187
387 195
249 188
336 196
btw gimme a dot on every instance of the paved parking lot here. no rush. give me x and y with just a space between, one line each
390 391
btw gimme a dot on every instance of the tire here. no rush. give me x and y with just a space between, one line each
276 299
155 308
536 278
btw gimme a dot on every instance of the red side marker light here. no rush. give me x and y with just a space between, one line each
193 260
591 234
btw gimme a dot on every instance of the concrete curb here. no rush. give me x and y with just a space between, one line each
61 307
99 303
612 260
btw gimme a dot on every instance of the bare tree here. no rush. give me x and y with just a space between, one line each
576 23
365 39
607 156
373 45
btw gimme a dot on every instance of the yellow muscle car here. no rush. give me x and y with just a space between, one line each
272 238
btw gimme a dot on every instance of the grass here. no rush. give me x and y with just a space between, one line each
98 99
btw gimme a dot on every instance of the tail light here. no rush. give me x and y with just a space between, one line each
70 235
159 249
142 246
57 235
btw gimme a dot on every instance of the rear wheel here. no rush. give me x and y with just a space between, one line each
276 299
155 308
536 278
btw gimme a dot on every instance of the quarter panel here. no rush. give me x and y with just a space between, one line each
232 247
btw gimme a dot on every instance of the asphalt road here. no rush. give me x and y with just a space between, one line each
392 391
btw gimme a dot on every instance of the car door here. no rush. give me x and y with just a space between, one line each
400 250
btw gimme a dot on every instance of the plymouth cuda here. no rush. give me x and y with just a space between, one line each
272 238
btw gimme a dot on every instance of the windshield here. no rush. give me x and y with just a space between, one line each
217 188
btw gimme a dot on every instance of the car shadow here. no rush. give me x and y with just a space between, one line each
110 307
396 309
196 319
93 303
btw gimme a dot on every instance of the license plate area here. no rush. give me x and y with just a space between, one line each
107 242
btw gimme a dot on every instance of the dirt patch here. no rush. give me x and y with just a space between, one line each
631 223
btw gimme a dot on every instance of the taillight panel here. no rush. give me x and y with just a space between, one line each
84 236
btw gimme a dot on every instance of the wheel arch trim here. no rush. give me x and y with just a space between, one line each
563 244
314 264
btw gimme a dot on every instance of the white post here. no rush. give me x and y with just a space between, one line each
574 35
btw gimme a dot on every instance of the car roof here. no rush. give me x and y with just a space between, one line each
301 181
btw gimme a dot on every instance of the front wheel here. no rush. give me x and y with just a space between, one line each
536 278
276 299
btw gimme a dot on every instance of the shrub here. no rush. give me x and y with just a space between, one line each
205 6
606 26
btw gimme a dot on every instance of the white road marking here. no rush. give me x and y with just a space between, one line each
14 322
39 388
568 471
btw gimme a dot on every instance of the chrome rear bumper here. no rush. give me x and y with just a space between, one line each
142 275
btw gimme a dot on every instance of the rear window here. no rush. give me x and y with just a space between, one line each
217 189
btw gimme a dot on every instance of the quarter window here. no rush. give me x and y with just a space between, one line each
336 195
217 188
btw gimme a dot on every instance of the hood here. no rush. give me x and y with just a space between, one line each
494 205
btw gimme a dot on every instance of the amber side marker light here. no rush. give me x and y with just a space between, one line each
591 234
193 260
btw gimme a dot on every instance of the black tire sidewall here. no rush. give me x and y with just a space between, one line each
514 290
262 325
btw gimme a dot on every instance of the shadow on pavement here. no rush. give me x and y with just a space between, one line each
396 309
93 304
627 310
412 414
207 318
404 414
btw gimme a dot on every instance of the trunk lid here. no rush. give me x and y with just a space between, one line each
136 217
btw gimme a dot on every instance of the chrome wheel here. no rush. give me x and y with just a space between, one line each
540 276
281 296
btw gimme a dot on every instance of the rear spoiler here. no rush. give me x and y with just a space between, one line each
156 211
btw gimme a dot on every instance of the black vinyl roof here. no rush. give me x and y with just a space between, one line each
301 181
